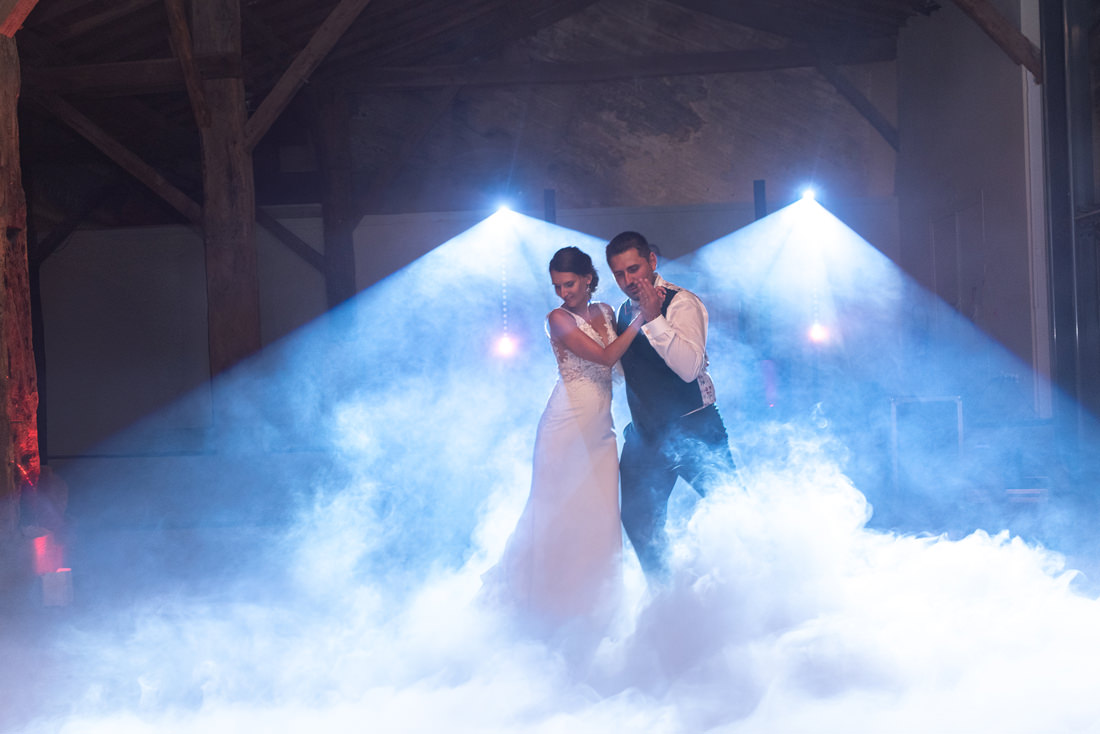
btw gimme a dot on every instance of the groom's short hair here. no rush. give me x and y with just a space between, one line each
624 241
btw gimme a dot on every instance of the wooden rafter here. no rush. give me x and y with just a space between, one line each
863 105
1013 42
120 154
12 15
322 41
181 44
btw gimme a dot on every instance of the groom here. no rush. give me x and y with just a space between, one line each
676 429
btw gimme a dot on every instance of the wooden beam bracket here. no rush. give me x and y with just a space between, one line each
863 105
1011 40
322 41
120 154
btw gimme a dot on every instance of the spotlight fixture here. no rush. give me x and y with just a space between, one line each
808 193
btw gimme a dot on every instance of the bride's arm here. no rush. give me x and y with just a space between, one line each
564 329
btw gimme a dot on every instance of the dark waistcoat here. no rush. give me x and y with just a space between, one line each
656 395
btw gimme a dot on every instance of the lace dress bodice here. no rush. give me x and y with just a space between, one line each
574 369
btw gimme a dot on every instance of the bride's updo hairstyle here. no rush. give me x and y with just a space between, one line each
573 260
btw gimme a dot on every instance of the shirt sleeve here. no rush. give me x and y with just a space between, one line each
680 336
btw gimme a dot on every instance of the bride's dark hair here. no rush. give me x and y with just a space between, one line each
573 260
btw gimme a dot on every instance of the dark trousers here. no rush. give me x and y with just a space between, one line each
695 447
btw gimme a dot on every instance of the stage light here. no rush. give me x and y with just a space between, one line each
505 346
808 194
503 208
818 334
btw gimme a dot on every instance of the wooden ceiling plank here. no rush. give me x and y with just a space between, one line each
120 154
1013 42
303 65
185 52
654 65
864 106
12 15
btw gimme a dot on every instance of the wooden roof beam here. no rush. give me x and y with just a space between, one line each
319 45
1011 40
631 67
12 15
125 78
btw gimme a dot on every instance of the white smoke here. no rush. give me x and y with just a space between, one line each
785 612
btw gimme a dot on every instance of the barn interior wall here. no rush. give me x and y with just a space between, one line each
969 182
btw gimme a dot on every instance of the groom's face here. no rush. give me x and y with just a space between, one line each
630 269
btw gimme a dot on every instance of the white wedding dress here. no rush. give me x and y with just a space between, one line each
563 561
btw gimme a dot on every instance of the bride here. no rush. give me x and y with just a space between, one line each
562 562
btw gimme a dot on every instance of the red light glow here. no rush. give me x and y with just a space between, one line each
48 554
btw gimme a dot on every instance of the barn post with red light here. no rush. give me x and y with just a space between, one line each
19 422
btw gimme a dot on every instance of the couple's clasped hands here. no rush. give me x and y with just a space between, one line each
650 300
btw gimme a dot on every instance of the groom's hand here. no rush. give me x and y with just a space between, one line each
650 299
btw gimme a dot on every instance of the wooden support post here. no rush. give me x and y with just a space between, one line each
229 198
18 422
340 214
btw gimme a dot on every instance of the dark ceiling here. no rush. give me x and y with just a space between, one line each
400 61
